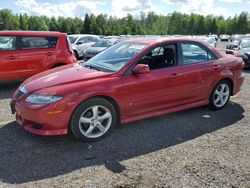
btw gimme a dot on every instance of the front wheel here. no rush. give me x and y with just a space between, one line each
220 95
93 120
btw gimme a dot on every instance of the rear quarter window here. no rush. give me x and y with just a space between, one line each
42 42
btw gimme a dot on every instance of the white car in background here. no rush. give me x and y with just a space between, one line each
80 42
209 40
224 37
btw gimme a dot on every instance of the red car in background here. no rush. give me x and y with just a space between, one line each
132 80
26 53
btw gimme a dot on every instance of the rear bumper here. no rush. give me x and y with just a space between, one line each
238 83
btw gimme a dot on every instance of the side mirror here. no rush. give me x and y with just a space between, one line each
79 43
141 69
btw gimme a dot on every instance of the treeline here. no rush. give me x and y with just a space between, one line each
143 24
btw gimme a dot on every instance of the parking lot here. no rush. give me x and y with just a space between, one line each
193 148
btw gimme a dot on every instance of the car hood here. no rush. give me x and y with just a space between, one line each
61 75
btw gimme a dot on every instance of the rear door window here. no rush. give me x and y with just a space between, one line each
30 42
7 43
193 53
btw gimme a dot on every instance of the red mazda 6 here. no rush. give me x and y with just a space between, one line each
132 80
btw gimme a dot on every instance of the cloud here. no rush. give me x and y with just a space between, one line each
231 1
69 9
122 8
202 7
171 2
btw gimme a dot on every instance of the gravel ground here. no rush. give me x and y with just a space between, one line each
193 148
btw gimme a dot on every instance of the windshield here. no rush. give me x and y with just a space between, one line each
115 57
245 44
72 39
103 43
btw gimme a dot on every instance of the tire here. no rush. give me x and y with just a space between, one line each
220 95
93 120
76 54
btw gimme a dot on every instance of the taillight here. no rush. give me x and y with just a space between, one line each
69 46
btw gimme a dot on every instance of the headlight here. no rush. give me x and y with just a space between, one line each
42 99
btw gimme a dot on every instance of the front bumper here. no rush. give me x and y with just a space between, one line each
49 120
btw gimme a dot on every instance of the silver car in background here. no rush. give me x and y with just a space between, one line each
99 46
80 42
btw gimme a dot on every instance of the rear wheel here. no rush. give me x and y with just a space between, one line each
220 95
93 120
76 54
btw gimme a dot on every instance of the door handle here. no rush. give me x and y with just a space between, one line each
175 75
49 53
216 67
12 57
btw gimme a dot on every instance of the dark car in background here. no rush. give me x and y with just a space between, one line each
235 40
26 53
244 49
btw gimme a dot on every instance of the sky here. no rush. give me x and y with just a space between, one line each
120 8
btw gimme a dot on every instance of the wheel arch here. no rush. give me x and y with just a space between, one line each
231 83
105 97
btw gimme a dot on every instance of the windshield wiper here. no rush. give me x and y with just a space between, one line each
92 67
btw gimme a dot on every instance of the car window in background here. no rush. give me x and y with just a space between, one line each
7 43
81 40
38 42
72 39
245 44
193 53
115 57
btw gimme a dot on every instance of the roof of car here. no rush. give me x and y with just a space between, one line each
28 33
159 40
152 40
83 35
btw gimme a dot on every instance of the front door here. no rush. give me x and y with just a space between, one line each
160 88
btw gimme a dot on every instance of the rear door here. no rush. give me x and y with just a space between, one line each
9 58
197 68
36 53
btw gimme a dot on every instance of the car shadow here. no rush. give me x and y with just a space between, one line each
26 157
7 88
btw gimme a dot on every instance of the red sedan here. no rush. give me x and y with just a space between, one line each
129 81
